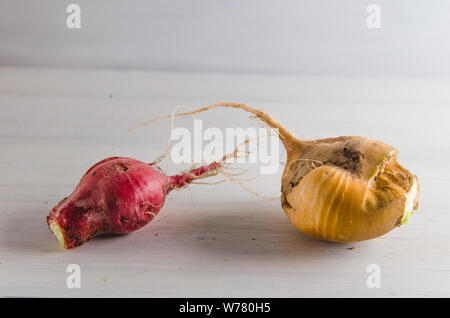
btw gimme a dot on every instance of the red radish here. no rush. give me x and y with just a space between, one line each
116 195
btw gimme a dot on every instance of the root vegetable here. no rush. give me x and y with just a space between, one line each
342 189
116 195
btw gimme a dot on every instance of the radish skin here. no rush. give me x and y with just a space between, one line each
116 195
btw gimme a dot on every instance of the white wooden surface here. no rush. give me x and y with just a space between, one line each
212 240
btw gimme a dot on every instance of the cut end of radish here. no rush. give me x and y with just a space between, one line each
58 232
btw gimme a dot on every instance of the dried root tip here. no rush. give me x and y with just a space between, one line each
229 177
288 139
213 169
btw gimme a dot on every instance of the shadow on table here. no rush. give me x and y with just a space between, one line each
31 234
259 234
27 231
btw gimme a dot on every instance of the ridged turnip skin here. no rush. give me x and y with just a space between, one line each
117 195
355 191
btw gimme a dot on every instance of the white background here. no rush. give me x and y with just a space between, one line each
67 98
